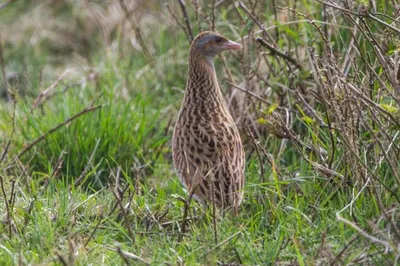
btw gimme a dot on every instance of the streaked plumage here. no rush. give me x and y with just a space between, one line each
207 149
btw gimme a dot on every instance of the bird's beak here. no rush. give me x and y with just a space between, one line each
230 45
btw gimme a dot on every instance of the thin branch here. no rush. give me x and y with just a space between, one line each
256 96
186 18
47 92
93 232
61 259
278 53
179 22
127 254
256 144
124 258
248 12
368 15
82 175
196 6
366 235
8 214
137 32
349 244
7 147
222 243
213 16
126 222
42 137
3 71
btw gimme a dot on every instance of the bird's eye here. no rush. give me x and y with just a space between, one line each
218 40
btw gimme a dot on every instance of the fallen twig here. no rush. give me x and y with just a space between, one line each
42 137
61 259
82 175
125 216
47 92
127 254
222 243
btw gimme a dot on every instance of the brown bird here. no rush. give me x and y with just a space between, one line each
207 149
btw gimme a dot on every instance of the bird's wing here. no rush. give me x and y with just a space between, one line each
210 156
223 153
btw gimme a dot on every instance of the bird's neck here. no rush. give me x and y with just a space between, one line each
202 84
200 65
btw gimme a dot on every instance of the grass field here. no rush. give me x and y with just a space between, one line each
89 93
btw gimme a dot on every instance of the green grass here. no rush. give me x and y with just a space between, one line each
288 215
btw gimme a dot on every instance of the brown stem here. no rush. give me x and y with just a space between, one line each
138 32
213 16
7 207
42 137
126 221
186 18
278 53
178 21
3 71
7 147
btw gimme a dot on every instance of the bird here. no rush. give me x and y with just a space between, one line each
207 148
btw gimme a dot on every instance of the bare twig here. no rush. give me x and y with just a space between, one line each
223 243
276 19
256 144
278 53
213 15
256 96
125 216
196 6
373 239
3 71
127 254
254 18
6 202
368 15
93 232
48 92
61 259
7 147
312 22
124 258
55 171
42 137
343 250
179 22
137 32
186 18
88 165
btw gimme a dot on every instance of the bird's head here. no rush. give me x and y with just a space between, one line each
210 44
